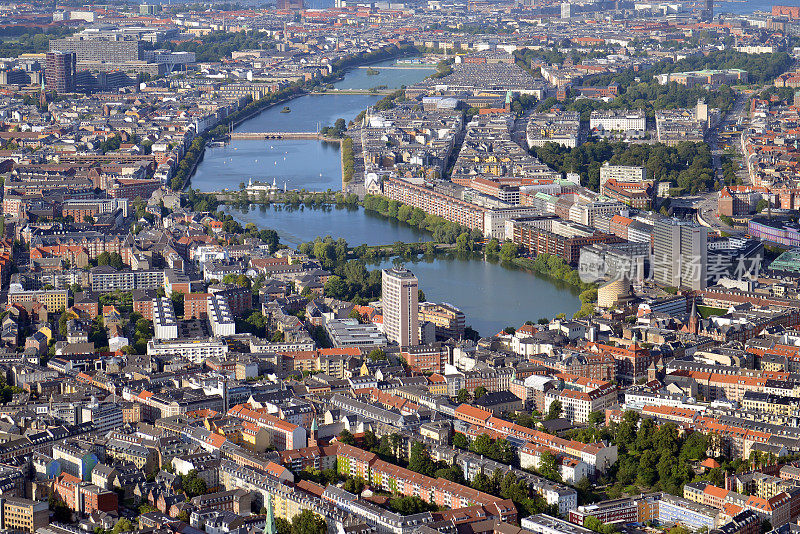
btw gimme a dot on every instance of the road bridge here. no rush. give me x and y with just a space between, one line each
275 135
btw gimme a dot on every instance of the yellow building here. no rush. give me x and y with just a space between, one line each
23 514
254 437
768 486
55 300
437 385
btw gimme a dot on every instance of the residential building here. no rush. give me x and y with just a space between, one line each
165 324
60 71
23 515
399 299
220 317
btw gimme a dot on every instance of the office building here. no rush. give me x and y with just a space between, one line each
708 10
546 524
680 254
617 120
351 333
622 173
60 70
400 306
673 509
104 415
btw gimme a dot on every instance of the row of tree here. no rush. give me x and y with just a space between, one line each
348 160
443 230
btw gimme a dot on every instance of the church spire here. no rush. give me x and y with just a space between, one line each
270 528
694 318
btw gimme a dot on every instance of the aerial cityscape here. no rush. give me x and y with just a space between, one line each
400 267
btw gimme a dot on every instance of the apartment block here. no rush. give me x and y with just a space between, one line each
196 350
219 316
283 435
165 324
435 203
54 299
105 278
84 497
23 515
356 462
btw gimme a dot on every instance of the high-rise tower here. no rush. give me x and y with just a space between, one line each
708 11
59 71
400 300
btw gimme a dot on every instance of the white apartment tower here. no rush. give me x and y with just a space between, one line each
399 298
165 323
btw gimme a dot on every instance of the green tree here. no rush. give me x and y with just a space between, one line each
410 505
193 485
420 460
122 525
452 473
460 441
548 466
480 391
336 288
493 247
282 526
354 485
376 355
508 251
596 418
307 522
347 438
63 319
463 395
463 242
554 411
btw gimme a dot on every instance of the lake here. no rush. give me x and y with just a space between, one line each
301 164
299 225
490 295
